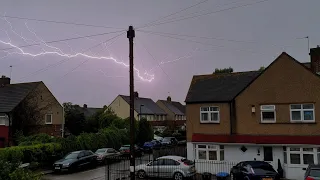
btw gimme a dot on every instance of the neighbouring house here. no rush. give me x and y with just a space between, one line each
89 111
143 108
270 115
175 111
28 106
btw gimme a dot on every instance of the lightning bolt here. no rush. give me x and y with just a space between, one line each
53 50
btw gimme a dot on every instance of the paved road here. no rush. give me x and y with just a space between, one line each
116 170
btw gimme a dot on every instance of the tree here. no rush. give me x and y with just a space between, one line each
145 131
30 113
74 118
262 68
101 119
224 70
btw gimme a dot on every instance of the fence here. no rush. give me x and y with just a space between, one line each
147 166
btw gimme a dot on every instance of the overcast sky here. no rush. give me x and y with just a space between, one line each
243 34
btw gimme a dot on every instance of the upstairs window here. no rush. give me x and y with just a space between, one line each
3 119
302 113
209 114
48 119
268 113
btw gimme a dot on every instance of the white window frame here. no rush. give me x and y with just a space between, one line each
5 117
271 108
209 147
209 114
301 152
301 110
45 118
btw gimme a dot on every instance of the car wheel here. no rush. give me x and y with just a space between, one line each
178 176
141 174
232 176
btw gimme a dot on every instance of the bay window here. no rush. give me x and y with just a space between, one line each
302 113
300 155
210 152
209 114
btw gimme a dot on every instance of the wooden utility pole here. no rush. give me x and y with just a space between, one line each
130 36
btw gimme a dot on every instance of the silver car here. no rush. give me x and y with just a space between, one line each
176 167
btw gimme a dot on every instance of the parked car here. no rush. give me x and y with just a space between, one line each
107 154
312 172
125 150
76 159
254 170
149 146
176 167
169 141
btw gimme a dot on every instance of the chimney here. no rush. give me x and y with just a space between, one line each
4 81
315 59
169 99
136 94
85 106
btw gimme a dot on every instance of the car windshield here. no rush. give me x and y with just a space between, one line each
100 151
314 173
72 155
124 147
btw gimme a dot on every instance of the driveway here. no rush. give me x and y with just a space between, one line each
116 170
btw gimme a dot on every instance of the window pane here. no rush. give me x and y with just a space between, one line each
221 146
268 116
212 147
267 107
204 117
214 117
294 149
308 149
308 106
204 109
221 155
295 159
295 115
295 106
308 115
214 109
202 146
308 159
213 155
202 154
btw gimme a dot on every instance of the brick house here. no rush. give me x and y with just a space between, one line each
269 115
175 111
14 97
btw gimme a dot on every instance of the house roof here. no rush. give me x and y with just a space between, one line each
149 106
219 87
12 94
89 111
173 106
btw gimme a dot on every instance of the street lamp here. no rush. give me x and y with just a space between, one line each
140 111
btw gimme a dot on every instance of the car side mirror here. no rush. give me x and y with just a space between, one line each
304 169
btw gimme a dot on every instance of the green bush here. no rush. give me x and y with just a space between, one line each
24 174
35 139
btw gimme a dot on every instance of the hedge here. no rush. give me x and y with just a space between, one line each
47 153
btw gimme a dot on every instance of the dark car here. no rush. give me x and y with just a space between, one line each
125 150
75 160
253 170
312 172
149 146
157 144
105 155
169 141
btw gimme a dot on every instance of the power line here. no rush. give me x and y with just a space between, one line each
62 40
157 62
148 24
198 42
61 22
212 12
65 59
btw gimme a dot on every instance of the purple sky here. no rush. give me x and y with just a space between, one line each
244 38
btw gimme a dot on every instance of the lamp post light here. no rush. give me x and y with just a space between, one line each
140 111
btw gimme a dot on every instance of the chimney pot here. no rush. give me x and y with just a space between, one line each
315 59
169 98
85 106
136 94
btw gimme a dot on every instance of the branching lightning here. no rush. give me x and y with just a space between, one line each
53 50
